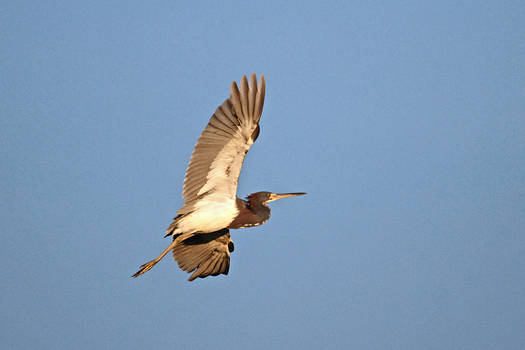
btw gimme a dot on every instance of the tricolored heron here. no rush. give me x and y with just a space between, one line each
201 237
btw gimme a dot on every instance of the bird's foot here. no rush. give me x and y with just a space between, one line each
146 267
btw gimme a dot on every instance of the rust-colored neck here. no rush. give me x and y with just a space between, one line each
251 213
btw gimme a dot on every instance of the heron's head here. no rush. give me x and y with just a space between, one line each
267 197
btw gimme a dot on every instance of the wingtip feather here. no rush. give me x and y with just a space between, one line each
245 91
235 97
252 94
259 99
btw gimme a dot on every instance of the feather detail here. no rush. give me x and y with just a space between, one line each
217 159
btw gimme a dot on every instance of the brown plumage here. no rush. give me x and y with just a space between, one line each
204 254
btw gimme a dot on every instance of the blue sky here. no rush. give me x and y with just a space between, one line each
404 122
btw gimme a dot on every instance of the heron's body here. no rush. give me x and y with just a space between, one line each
209 215
201 240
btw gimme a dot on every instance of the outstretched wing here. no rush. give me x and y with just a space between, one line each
217 159
204 254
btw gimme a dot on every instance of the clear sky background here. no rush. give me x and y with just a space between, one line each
404 122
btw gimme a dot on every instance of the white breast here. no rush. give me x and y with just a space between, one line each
211 214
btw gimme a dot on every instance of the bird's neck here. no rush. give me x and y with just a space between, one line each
260 210
250 214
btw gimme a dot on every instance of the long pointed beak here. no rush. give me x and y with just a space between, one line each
276 196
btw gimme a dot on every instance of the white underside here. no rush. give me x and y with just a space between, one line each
211 214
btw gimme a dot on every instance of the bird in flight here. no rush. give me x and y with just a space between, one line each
201 238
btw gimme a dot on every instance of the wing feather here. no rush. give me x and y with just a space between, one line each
204 254
217 159
224 128
224 119
235 97
227 109
259 99
252 95
245 105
